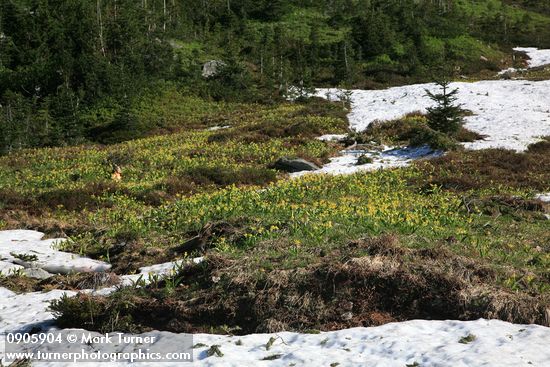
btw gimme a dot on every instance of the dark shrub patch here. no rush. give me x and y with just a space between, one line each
364 159
69 199
436 140
464 135
224 176
413 130
542 147
491 167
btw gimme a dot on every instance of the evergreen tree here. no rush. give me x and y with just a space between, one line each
445 116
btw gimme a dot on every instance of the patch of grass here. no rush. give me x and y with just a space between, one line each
377 279
458 236
43 188
21 284
467 339
214 350
364 159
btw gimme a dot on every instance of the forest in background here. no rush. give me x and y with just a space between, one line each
80 71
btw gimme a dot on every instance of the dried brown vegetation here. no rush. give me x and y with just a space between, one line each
492 167
74 282
366 282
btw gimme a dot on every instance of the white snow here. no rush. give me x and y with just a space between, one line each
216 128
346 162
332 137
509 70
536 57
428 343
22 242
28 311
544 197
511 114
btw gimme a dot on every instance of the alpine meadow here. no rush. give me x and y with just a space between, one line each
275 183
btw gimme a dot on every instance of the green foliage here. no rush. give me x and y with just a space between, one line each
446 116
72 71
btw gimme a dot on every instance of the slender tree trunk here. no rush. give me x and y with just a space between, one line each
100 22
164 15
346 57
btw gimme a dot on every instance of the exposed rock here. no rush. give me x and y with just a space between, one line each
509 74
212 68
98 280
294 165
37 273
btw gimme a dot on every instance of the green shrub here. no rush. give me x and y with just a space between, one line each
435 139
364 159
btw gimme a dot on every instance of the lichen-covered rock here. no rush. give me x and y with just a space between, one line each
212 68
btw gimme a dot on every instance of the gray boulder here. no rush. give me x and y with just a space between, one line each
212 68
508 75
37 273
294 165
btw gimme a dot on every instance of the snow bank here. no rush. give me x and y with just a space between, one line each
536 57
332 137
511 114
544 197
428 343
38 253
29 311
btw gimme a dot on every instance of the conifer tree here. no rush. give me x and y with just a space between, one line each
446 115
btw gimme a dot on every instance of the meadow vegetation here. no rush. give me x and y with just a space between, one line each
455 237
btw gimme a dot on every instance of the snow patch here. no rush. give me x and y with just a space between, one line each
422 342
543 197
332 137
25 249
216 128
428 343
536 57
511 114
29 311
389 157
